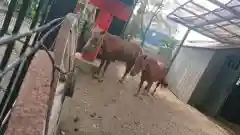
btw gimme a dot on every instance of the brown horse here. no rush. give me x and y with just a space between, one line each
152 71
114 48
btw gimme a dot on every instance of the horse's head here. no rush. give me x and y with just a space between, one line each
164 83
140 65
96 38
95 41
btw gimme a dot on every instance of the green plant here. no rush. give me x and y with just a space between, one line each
145 8
33 8
169 42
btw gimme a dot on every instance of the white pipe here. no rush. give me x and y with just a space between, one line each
56 109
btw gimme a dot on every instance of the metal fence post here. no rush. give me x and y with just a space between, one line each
8 17
126 24
21 64
178 49
18 24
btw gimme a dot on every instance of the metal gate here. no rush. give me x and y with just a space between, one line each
13 67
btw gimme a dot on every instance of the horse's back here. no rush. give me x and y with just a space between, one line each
120 49
130 47
156 69
112 43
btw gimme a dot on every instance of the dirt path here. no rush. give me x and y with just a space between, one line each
111 109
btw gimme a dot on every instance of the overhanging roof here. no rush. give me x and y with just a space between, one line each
217 19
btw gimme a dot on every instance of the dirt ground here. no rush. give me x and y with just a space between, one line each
110 108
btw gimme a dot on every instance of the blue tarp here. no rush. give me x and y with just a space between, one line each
154 37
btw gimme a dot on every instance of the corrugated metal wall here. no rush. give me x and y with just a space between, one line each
201 77
187 69
217 81
214 67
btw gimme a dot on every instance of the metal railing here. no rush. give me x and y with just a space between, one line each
31 43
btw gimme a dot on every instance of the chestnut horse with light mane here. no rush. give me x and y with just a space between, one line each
152 71
114 48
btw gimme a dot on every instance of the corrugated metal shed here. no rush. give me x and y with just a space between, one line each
206 77
187 70
202 77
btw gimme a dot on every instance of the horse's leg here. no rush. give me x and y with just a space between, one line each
105 67
157 85
129 66
96 74
139 87
104 70
147 88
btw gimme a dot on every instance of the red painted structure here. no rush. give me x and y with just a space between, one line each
108 9
77 8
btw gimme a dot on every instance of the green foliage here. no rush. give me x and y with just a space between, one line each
80 1
32 12
169 42
156 10
150 13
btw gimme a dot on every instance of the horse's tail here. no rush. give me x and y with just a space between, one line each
159 82
140 52
163 82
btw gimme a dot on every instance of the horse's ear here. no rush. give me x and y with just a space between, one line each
165 83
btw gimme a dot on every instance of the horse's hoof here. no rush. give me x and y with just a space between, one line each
152 94
120 81
95 76
135 95
145 94
100 80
